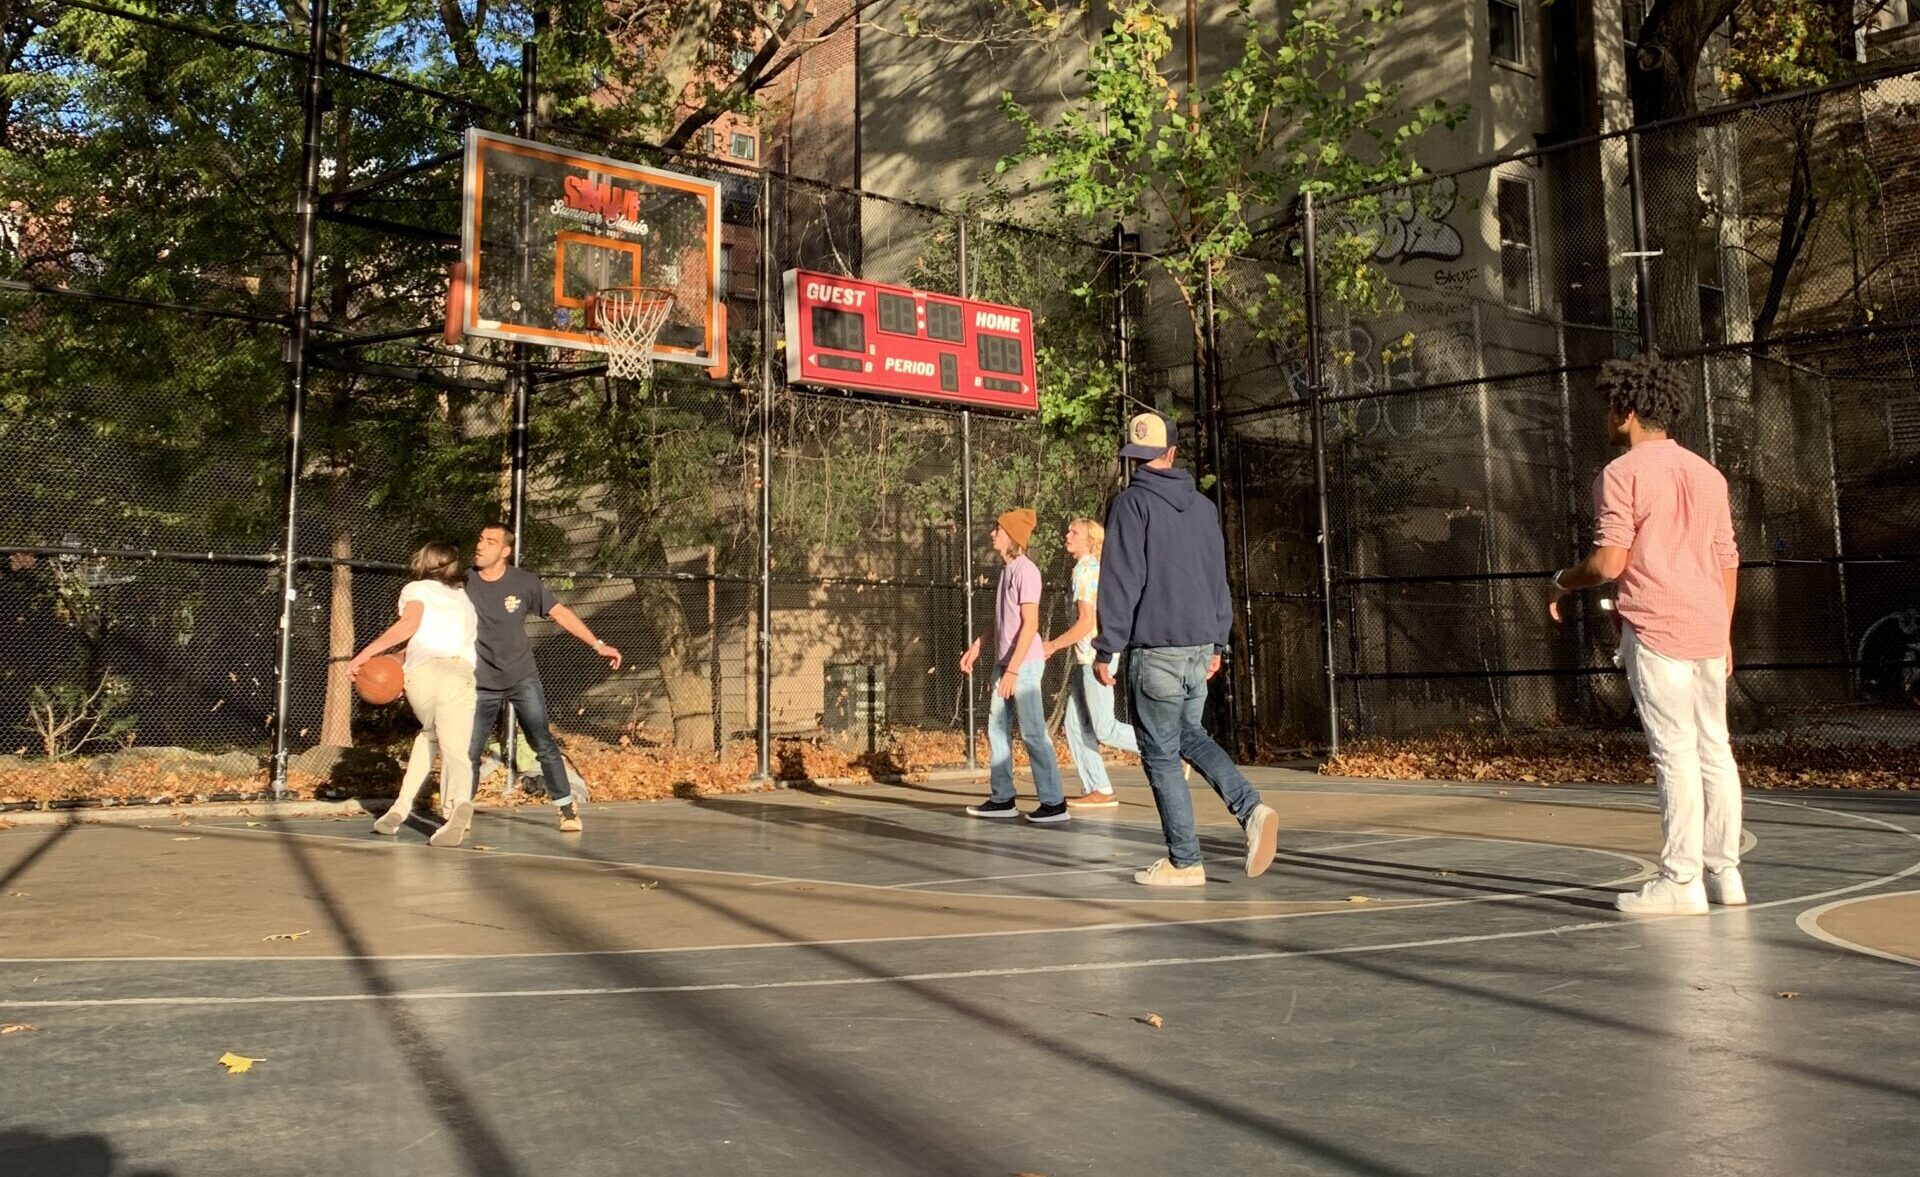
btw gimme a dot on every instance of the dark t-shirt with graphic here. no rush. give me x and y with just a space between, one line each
503 606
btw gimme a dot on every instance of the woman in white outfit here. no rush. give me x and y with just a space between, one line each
438 625
1090 721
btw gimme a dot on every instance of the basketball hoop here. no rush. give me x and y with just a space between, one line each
629 318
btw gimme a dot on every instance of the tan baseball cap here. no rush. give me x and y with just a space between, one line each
1148 436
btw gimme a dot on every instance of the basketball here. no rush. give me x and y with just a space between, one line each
381 680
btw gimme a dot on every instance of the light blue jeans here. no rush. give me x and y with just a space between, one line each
1033 733
1090 723
1168 688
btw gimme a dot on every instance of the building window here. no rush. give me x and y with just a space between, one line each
742 58
725 290
1513 200
1903 426
1504 28
742 145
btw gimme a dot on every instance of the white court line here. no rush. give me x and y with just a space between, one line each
1809 922
1032 874
1647 870
1102 870
815 983
1373 842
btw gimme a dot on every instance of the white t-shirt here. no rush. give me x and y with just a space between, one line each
447 626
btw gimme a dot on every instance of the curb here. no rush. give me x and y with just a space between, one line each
98 811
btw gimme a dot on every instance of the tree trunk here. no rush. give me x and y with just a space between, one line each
689 692
1663 68
336 713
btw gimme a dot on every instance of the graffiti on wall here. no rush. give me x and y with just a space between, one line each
1355 363
1413 224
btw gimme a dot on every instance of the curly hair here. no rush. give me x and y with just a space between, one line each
1658 393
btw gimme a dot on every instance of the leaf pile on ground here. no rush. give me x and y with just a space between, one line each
629 771
1620 758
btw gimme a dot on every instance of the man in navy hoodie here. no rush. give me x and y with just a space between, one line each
1163 600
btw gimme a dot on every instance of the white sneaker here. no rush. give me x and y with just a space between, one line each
1164 874
1725 888
1665 896
1263 833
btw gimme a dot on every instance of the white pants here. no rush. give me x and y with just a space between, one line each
1683 706
441 693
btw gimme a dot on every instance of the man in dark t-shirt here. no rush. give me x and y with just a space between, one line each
503 597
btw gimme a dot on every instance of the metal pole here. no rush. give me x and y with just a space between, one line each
1839 531
1642 256
301 330
522 381
1246 590
1578 602
1489 537
1311 268
763 724
966 513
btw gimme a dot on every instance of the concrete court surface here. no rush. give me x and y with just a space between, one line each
1430 980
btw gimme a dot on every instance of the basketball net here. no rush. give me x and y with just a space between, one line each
629 318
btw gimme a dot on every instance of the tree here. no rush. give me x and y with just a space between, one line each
1201 180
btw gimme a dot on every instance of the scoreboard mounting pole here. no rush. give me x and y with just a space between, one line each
966 508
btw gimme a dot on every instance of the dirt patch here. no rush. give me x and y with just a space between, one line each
1620 758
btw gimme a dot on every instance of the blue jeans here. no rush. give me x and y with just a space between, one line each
529 701
1168 688
1033 733
1090 723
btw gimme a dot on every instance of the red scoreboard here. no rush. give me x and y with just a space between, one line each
870 337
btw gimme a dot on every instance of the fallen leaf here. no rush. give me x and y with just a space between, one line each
477 846
1154 1020
238 1064
286 935
1445 874
1786 993
253 825
15 1028
195 838
1358 899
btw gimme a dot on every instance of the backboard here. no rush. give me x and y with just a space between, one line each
543 229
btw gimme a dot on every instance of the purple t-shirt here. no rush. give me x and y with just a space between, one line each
1019 585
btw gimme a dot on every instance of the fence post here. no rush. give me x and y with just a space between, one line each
763 725
1311 291
522 382
966 505
301 330
1642 256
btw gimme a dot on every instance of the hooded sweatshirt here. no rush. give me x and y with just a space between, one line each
1163 572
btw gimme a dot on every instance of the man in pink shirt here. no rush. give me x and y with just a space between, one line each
1664 530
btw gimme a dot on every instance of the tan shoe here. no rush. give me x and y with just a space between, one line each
570 819
1164 874
1093 801
1263 838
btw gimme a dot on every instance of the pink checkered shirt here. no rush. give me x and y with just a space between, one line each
1668 507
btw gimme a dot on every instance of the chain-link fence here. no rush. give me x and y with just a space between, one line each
776 562
1760 246
146 432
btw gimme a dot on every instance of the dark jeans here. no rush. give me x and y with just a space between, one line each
1168 688
529 701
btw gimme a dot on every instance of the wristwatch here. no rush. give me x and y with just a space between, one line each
597 643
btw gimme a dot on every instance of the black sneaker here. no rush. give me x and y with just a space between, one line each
1046 815
991 808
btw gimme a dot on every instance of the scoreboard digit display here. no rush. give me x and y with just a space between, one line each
848 333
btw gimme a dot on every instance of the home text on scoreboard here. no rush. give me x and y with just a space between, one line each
863 336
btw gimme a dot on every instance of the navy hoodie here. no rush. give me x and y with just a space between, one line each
1163 571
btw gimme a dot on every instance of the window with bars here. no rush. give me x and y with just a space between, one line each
1513 202
1903 426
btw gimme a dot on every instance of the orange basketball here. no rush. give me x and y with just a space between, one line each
381 679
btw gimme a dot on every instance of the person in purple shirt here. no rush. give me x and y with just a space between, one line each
1020 659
